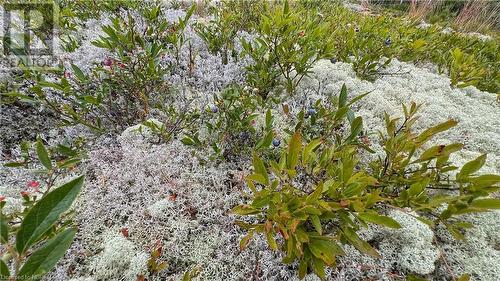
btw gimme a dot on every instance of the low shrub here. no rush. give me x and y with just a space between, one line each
288 43
42 231
229 124
121 90
219 35
318 195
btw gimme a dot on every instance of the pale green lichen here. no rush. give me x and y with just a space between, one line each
12 206
412 244
479 254
119 259
83 279
408 249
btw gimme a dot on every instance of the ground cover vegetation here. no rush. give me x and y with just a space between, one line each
312 178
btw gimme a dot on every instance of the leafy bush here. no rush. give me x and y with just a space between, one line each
176 38
409 42
329 119
229 123
122 89
318 195
288 44
247 13
219 35
367 45
464 70
42 232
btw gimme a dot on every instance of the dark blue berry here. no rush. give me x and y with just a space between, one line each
276 142
356 29
387 41
214 109
311 111
333 60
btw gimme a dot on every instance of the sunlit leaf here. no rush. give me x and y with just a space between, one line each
378 219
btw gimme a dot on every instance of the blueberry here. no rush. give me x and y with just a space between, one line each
311 111
276 142
214 108
333 60
387 41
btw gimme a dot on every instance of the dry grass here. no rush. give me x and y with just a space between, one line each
202 8
478 16
419 9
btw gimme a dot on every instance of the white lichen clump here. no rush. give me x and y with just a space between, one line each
411 246
478 255
119 259
409 249
476 112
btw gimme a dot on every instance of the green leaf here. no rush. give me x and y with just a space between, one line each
312 210
308 149
269 119
266 141
43 155
68 163
472 167
14 164
318 267
485 180
21 97
414 278
430 153
244 210
316 223
354 100
429 133
45 213
489 203
455 232
321 249
363 246
260 168
464 277
4 270
4 230
78 73
418 187
294 150
286 8
45 258
257 178
302 269
271 241
311 198
51 85
343 96
325 250
378 219
187 141
356 128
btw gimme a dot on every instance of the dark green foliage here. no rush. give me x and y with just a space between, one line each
229 122
289 43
